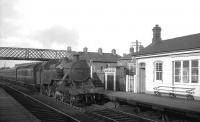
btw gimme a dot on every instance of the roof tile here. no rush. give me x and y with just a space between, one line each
189 42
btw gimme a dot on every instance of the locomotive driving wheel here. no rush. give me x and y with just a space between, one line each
72 100
49 91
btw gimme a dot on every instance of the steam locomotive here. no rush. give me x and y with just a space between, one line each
67 80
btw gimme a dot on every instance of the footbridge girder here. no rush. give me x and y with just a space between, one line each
13 53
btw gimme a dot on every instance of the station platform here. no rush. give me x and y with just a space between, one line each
178 104
12 111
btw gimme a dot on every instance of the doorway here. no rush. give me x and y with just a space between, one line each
110 82
142 78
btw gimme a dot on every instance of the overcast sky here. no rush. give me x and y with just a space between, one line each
107 24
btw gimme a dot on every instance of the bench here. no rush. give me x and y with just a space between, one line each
173 91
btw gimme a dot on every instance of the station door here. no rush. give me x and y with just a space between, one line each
142 78
110 82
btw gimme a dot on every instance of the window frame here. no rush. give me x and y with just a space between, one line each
190 72
198 74
158 71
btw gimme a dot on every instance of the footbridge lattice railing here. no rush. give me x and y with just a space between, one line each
13 53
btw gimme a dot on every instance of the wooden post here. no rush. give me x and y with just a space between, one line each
106 81
114 81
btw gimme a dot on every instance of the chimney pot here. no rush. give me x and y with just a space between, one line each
69 49
131 50
113 51
85 49
141 47
156 34
100 51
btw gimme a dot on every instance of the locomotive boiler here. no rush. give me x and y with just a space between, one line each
70 82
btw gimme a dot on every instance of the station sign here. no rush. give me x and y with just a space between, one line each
107 70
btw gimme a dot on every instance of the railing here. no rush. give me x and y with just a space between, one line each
173 91
13 53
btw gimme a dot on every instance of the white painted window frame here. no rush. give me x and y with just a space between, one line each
155 76
190 72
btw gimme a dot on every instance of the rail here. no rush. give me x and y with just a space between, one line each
41 110
115 115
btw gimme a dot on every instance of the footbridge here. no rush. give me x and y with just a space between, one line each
13 53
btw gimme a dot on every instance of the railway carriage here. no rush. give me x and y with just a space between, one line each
28 75
67 79
8 74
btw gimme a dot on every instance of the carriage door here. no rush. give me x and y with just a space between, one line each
142 77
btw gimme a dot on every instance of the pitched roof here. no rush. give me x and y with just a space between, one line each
104 57
183 43
128 56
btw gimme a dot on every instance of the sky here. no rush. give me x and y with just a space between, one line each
107 24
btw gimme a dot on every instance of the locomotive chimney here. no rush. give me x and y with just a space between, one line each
100 51
76 57
156 34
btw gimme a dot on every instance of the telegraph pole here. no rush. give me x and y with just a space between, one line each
136 45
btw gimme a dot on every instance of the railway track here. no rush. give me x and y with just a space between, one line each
42 111
48 114
117 116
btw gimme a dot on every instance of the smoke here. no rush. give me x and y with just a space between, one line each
13 31
56 35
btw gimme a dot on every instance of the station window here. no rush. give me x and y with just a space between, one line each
158 71
178 71
186 71
194 71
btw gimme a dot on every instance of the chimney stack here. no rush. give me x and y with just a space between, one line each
131 50
100 51
113 51
124 54
85 49
156 34
69 49
141 47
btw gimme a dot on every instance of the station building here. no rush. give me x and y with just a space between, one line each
171 62
121 77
